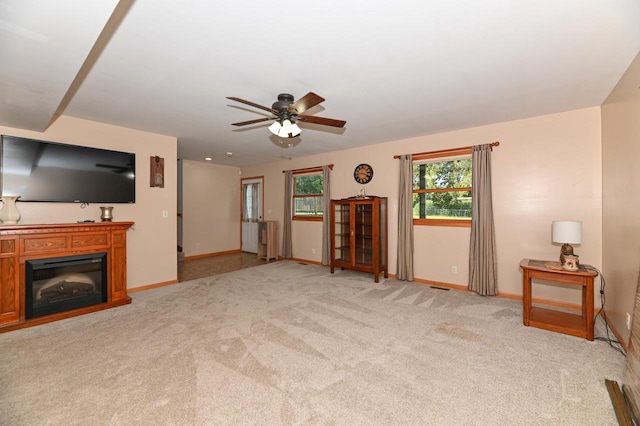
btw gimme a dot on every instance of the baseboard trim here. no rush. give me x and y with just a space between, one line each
439 284
547 302
312 262
151 286
617 335
219 253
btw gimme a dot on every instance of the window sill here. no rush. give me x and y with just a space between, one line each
308 218
461 223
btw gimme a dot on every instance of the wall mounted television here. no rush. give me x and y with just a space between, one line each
57 172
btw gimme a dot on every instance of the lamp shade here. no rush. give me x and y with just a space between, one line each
289 129
566 232
295 130
275 128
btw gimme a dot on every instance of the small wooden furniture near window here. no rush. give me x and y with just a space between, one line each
359 235
268 240
555 320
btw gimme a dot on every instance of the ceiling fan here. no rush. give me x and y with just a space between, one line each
286 112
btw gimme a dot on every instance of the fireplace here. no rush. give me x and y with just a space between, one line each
64 283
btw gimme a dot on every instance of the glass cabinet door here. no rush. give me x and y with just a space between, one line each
342 233
382 223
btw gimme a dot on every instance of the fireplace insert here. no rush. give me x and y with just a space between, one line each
64 283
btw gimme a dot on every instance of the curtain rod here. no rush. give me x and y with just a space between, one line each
451 151
308 170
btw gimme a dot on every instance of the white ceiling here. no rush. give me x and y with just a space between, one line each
392 70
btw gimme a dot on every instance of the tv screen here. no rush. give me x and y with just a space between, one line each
56 172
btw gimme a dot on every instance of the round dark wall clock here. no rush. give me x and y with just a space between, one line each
363 173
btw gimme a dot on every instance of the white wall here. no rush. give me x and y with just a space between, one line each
546 168
211 208
621 204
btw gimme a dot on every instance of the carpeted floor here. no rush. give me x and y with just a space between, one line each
287 343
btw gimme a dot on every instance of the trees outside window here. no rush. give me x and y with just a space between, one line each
307 197
442 192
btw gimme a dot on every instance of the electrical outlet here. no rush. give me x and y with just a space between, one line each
197 245
165 214
628 321
313 251
454 270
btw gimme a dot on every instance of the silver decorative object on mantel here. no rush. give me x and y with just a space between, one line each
9 214
107 214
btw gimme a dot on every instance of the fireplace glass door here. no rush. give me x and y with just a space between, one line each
64 283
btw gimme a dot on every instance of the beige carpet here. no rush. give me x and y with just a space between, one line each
291 344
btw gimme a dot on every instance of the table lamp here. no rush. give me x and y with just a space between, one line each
567 232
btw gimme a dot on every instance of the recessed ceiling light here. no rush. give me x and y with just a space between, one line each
229 153
208 158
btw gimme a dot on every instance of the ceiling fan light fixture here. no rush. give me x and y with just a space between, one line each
295 130
289 129
285 111
275 128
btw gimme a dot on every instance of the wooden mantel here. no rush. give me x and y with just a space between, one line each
19 243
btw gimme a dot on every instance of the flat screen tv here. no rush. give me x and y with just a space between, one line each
56 172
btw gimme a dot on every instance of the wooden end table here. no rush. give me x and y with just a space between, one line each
554 320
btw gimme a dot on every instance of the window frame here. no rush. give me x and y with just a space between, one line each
294 216
442 157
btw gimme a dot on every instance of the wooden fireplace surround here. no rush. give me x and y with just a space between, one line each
19 243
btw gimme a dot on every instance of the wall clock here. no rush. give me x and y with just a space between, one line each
363 173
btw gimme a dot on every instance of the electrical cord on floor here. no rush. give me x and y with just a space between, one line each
612 342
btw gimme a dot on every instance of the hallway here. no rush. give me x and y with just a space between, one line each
214 265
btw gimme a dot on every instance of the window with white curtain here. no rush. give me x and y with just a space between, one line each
250 200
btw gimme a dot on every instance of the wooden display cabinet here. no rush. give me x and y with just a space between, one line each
359 235
268 240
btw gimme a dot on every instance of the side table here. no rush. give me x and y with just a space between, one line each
555 320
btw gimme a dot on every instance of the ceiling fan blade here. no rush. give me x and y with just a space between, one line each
271 110
304 103
321 120
257 120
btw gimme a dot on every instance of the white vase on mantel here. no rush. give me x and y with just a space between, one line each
9 214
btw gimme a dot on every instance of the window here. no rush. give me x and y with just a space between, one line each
251 202
442 192
307 197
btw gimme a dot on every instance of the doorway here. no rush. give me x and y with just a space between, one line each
251 212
